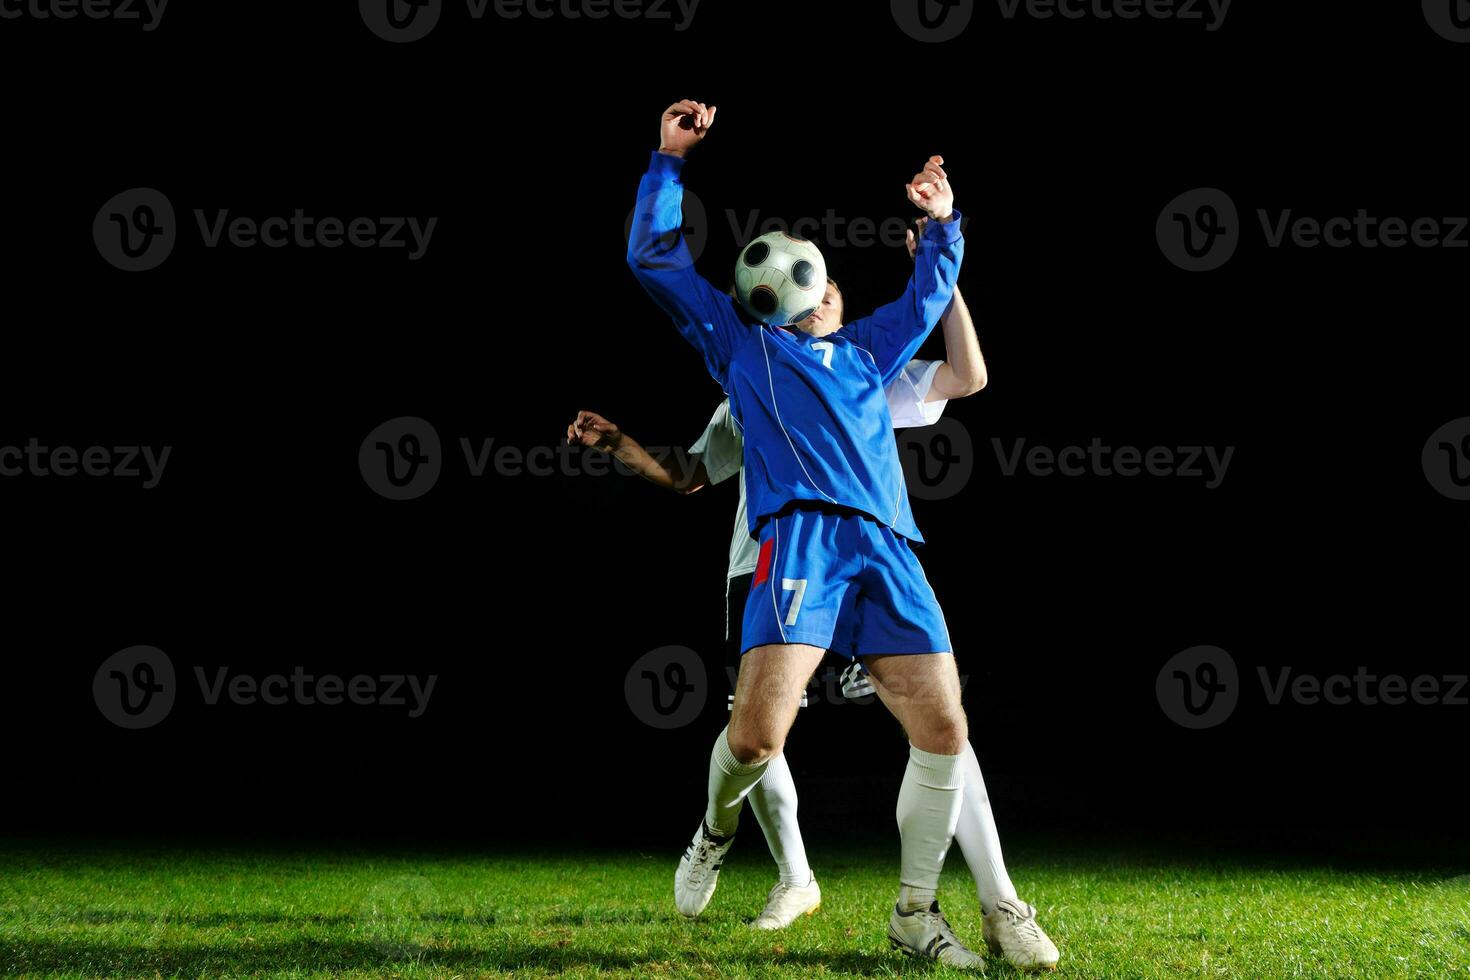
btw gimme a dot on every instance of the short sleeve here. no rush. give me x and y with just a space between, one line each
907 393
720 446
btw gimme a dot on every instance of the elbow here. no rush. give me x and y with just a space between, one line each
973 383
638 251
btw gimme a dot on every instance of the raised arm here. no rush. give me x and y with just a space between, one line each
659 255
962 372
895 331
676 471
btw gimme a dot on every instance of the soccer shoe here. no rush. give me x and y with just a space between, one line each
855 681
926 933
1010 930
699 871
787 903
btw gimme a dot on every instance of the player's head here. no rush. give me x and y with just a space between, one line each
828 315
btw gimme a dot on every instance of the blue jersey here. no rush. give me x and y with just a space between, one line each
812 410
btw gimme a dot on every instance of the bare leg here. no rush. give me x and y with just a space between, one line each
923 693
767 694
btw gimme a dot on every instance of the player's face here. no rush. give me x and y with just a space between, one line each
828 316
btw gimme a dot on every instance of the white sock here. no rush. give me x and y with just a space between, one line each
977 837
773 801
928 809
729 782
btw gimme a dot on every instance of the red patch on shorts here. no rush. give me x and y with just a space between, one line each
763 563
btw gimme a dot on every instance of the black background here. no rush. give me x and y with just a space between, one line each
530 597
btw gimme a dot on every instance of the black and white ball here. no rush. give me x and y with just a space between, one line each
780 280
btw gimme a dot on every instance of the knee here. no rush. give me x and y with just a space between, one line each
944 734
750 747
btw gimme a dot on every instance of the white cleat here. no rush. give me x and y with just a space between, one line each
787 903
699 871
1010 930
925 933
855 681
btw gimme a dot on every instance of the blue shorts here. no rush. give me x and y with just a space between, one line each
841 581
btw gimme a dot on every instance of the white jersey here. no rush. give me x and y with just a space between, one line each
722 448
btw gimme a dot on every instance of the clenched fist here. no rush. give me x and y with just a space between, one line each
594 432
684 125
930 190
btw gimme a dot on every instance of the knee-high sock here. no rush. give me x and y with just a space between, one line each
729 782
928 808
773 800
977 837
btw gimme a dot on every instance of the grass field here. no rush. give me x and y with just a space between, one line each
221 912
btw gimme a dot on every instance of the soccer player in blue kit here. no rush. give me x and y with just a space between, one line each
828 505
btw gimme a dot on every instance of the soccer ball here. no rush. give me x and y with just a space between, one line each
780 280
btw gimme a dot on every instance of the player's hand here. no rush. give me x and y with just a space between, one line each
912 241
684 125
594 432
930 190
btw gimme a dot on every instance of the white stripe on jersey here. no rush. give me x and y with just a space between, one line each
777 410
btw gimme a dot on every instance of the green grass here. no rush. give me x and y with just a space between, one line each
215 912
